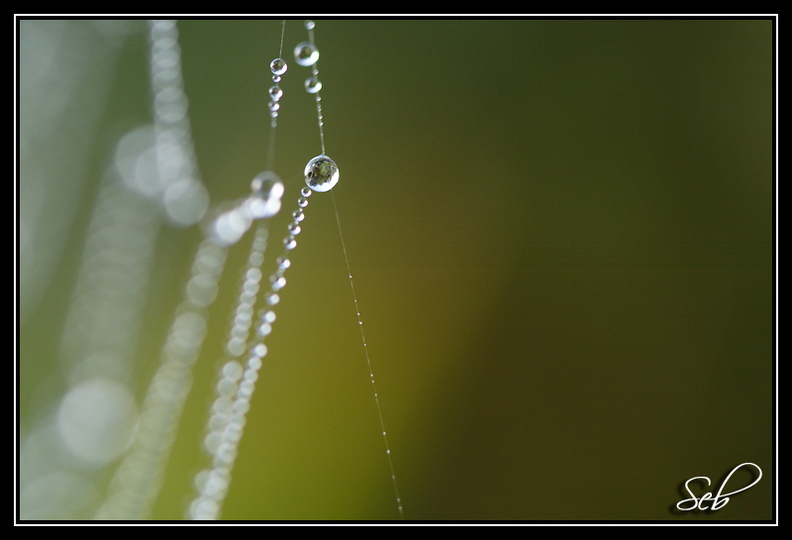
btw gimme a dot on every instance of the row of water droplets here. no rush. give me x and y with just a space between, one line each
138 478
237 377
321 174
162 165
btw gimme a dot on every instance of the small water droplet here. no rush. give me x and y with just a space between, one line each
321 173
278 66
264 329
306 54
253 274
278 283
275 93
266 183
312 85
233 370
265 201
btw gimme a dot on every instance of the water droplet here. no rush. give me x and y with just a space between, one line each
264 329
306 53
312 85
278 283
233 370
226 387
253 274
236 346
283 263
96 420
260 351
186 201
278 66
321 173
265 201
275 93
228 227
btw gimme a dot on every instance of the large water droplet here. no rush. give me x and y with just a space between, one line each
306 53
321 173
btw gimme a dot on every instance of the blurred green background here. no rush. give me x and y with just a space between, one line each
561 237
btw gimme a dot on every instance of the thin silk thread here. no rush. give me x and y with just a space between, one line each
395 483
313 85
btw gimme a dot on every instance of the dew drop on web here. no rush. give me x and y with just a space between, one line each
306 53
278 67
321 173
265 199
313 85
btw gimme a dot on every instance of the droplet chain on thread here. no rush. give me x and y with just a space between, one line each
368 365
233 389
139 476
306 54
136 481
321 174
278 67
236 382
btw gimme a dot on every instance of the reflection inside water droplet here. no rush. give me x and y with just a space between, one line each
321 173
306 53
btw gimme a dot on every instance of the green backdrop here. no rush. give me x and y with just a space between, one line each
561 235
